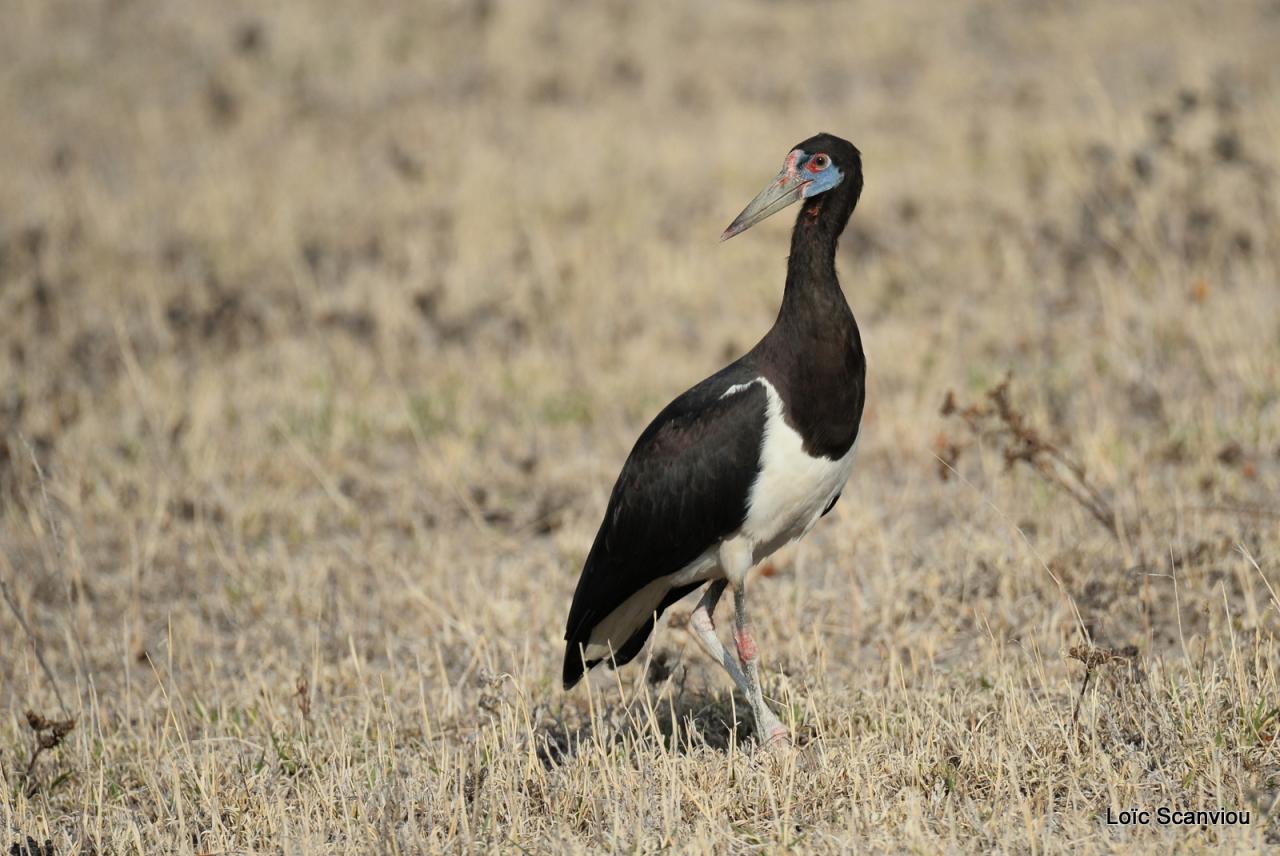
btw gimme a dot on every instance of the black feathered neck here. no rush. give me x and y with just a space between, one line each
811 267
813 354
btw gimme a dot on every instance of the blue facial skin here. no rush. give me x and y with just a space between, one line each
822 179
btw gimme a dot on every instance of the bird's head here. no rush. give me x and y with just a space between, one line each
814 167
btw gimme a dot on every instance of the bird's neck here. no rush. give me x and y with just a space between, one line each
812 295
813 354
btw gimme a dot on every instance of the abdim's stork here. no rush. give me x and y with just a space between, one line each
745 461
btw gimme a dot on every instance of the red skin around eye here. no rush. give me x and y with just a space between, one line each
812 166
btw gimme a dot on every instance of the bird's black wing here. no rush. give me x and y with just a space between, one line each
684 487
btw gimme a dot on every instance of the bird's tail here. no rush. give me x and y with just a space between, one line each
575 665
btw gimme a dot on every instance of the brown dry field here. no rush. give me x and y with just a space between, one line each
325 328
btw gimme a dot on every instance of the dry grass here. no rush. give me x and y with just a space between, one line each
324 330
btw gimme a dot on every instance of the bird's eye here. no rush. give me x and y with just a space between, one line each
819 162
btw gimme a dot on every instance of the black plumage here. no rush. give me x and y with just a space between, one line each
687 483
684 486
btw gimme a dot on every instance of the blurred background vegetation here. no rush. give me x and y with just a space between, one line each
324 328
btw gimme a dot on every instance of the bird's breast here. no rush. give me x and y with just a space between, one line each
792 487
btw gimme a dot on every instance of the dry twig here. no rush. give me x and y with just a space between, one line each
49 734
35 643
1023 442
1094 657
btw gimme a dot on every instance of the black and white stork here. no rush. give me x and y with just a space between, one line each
742 463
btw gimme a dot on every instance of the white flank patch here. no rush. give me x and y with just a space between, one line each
793 487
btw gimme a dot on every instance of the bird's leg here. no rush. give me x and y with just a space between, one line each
704 631
772 732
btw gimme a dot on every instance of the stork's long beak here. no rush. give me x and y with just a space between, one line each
787 187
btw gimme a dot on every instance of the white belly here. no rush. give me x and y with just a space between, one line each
793 487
